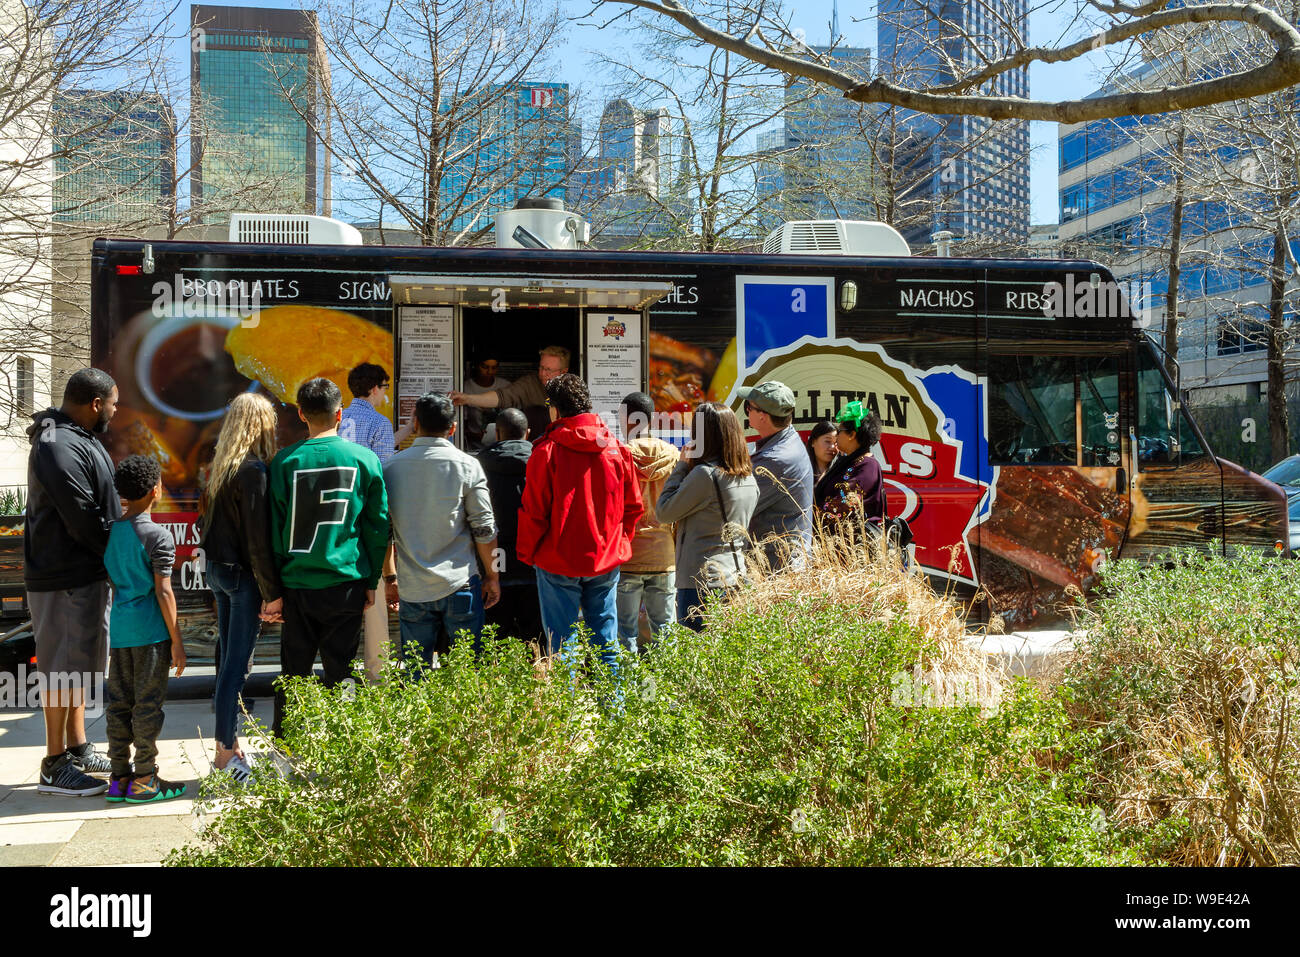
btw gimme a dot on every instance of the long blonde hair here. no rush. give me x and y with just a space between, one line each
249 427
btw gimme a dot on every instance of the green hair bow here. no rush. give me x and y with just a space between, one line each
854 412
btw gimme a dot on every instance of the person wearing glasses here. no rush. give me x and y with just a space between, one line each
522 393
782 519
362 422
854 484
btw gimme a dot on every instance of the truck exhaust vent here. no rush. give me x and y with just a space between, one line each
837 237
270 228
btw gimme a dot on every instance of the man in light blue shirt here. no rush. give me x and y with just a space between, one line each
441 512
362 422
782 520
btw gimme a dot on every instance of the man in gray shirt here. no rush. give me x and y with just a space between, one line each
784 474
441 512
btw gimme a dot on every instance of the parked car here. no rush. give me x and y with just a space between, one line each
1287 474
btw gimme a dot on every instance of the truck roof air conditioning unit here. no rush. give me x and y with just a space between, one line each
277 228
540 222
837 237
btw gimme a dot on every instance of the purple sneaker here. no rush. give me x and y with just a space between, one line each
117 787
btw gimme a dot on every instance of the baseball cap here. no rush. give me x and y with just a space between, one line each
774 398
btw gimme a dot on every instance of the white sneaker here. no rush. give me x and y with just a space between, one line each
238 770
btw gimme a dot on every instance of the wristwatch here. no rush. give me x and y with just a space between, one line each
390 579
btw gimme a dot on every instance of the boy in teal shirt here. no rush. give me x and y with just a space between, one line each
329 530
144 636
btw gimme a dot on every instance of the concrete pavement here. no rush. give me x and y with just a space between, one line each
40 829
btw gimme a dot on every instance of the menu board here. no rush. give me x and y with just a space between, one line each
428 353
614 354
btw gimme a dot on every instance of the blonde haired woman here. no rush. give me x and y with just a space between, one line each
235 523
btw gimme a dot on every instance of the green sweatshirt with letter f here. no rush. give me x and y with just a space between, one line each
329 513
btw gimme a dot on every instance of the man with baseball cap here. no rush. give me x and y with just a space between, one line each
785 479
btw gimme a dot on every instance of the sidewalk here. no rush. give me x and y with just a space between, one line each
41 829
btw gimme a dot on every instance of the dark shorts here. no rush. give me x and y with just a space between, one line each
71 630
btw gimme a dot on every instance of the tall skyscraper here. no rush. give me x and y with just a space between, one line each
517 142
256 78
973 172
115 157
818 165
629 176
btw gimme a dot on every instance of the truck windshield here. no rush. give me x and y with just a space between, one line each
1165 436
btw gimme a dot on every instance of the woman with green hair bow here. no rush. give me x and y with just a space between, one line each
854 484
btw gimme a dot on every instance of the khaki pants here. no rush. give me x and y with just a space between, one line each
376 642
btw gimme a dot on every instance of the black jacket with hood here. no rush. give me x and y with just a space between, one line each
71 505
505 465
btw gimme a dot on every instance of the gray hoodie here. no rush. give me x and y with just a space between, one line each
704 558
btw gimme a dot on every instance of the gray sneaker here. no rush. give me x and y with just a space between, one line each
61 776
90 761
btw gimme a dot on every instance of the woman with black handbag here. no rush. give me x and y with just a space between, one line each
710 496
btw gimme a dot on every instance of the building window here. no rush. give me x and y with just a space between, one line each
25 387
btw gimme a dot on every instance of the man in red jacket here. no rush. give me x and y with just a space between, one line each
580 507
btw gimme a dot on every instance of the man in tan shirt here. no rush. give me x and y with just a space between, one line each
523 393
647 577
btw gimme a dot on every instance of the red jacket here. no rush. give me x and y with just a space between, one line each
581 500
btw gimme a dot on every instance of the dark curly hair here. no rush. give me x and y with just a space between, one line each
135 477
568 395
867 432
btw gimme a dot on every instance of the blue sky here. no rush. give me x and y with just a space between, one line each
814 17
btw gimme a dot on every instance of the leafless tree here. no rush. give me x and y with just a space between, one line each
438 111
760 32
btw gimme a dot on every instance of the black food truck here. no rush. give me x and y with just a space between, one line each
1031 431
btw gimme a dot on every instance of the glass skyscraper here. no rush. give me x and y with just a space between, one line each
517 142
974 172
256 76
114 159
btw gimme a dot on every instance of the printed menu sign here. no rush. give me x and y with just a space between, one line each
614 352
428 353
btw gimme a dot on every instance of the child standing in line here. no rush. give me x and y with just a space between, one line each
144 635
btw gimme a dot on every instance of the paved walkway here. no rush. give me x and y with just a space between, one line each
41 829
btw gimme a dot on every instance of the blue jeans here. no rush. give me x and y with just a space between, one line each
597 596
432 625
655 589
690 602
238 605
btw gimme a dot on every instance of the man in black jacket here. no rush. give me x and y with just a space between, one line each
517 614
71 506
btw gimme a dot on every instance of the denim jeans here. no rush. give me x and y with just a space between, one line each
690 602
655 589
561 598
432 625
238 604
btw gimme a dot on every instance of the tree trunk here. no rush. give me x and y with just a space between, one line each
1175 255
1279 426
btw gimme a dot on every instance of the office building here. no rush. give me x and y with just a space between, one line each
516 141
819 163
972 173
256 80
114 158
1115 201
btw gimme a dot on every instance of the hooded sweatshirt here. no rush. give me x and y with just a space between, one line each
505 464
71 505
652 548
581 500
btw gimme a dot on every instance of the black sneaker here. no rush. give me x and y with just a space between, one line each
61 776
88 760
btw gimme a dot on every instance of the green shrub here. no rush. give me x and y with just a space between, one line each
1189 674
776 737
